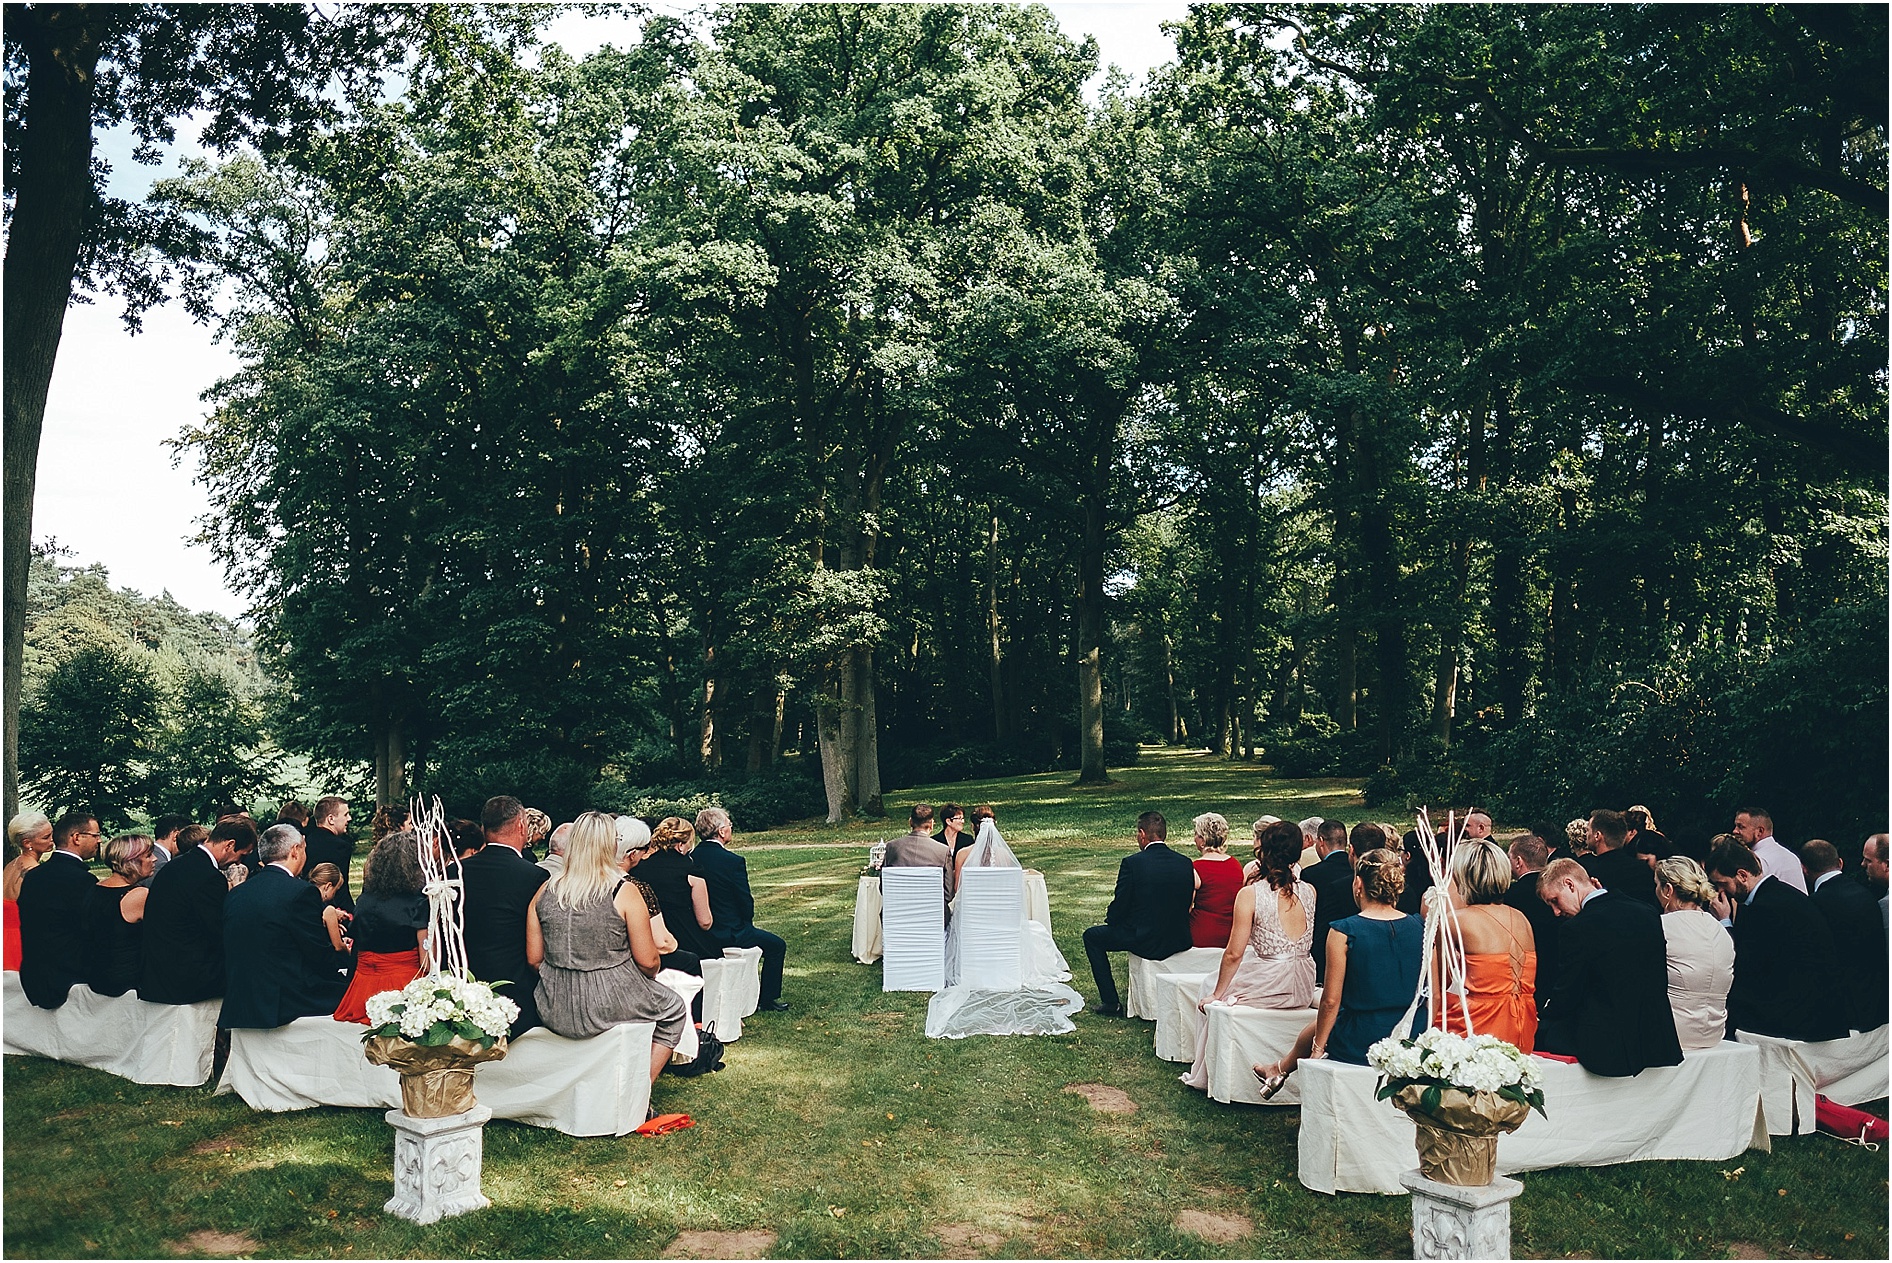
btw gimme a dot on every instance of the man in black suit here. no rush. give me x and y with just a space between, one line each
51 896
1859 939
1785 980
279 964
501 884
732 905
1616 866
1332 880
1609 1006
1529 855
183 939
329 843
1149 913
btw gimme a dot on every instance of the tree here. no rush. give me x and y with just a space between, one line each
90 735
213 751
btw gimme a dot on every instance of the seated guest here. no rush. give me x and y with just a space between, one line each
1332 880
682 896
1615 867
1372 973
326 878
1148 914
1873 870
952 832
111 921
732 906
390 925
329 842
388 818
1785 973
1218 879
1754 827
242 863
183 952
1500 952
1251 870
500 884
916 849
1412 899
1266 964
1609 1004
51 898
555 845
1577 837
164 834
1700 953
635 847
588 936
1529 855
1554 839
31 833
538 829
1859 940
278 961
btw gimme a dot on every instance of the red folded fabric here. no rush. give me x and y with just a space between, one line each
12 940
1847 1122
665 1123
1568 1061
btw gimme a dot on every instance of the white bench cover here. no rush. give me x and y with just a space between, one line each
1706 1109
170 1044
1177 1019
913 929
732 988
1241 1038
1139 998
582 1087
1850 1071
991 906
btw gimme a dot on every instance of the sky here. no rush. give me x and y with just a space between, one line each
113 493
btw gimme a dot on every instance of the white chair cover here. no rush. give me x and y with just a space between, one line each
172 1044
1850 1071
913 929
1139 998
990 927
686 986
1241 1038
1177 1018
732 988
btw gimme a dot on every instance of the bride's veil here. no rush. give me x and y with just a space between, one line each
989 849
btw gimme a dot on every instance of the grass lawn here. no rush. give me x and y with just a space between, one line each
840 1130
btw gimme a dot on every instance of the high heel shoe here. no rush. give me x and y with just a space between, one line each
1270 1083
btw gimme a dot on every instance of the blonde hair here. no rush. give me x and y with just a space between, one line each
1261 825
1212 828
122 853
591 857
1481 870
1382 876
1686 878
673 831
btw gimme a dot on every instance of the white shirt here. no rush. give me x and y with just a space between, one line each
1823 878
1777 861
1594 892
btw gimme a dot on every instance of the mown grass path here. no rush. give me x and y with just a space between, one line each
839 1130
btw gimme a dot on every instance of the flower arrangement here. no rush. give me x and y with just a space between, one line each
1438 1060
435 1008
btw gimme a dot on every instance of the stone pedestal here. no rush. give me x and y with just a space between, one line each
1450 1221
437 1164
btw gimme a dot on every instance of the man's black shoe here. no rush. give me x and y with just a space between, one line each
773 1006
1109 1011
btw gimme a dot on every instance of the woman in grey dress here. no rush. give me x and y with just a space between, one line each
589 934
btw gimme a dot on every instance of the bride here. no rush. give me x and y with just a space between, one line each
1041 1004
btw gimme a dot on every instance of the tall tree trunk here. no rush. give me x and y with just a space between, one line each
50 207
394 788
996 660
1090 640
867 744
765 728
1174 733
835 730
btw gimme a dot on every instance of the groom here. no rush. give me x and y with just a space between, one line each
1149 914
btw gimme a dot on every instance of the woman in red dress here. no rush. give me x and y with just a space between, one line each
1218 880
390 926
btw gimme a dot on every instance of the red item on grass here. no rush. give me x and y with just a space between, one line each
1846 1122
666 1123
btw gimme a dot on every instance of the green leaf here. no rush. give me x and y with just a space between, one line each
1429 1099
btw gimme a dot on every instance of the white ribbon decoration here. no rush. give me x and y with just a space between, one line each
446 908
1441 935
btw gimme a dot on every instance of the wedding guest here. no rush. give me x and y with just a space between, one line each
1500 951
952 819
1372 973
635 846
1267 964
111 920
681 893
164 834
1556 842
183 949
588 936
1148 914
1218 880
500 886
329 842
1700 953
279 964
241 831
1784 979
555 848
538 829
1859 939
468 837
1310 839
1529 854
51 896
1609 1004
1644 838
1251 870
1755 828
1577 836
32 834
388 818
1874 871
1610 861
916 849
1418 873
327 880
732 905
390 925
1332 880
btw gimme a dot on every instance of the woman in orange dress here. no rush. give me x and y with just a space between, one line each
1500 953
390 925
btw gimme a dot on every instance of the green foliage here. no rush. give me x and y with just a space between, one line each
756 802
213 752
87 737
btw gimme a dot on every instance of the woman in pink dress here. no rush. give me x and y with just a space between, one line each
1218 880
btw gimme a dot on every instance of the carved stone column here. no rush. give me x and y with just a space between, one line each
437 1164
1450 1221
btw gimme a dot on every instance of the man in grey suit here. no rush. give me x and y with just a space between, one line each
917 849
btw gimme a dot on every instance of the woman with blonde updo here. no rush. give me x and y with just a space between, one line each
1500 952
1218 880
1372 973
1268 963
1700 953
111 920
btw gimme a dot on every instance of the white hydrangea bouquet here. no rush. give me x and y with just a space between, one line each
1439 1059
434 1009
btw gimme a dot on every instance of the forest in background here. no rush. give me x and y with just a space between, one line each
1485 401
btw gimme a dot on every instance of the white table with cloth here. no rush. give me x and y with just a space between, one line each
867 946
170 1044
582 1087
1850 1071
1706 1109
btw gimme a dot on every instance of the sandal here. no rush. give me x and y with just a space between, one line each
1270 1083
